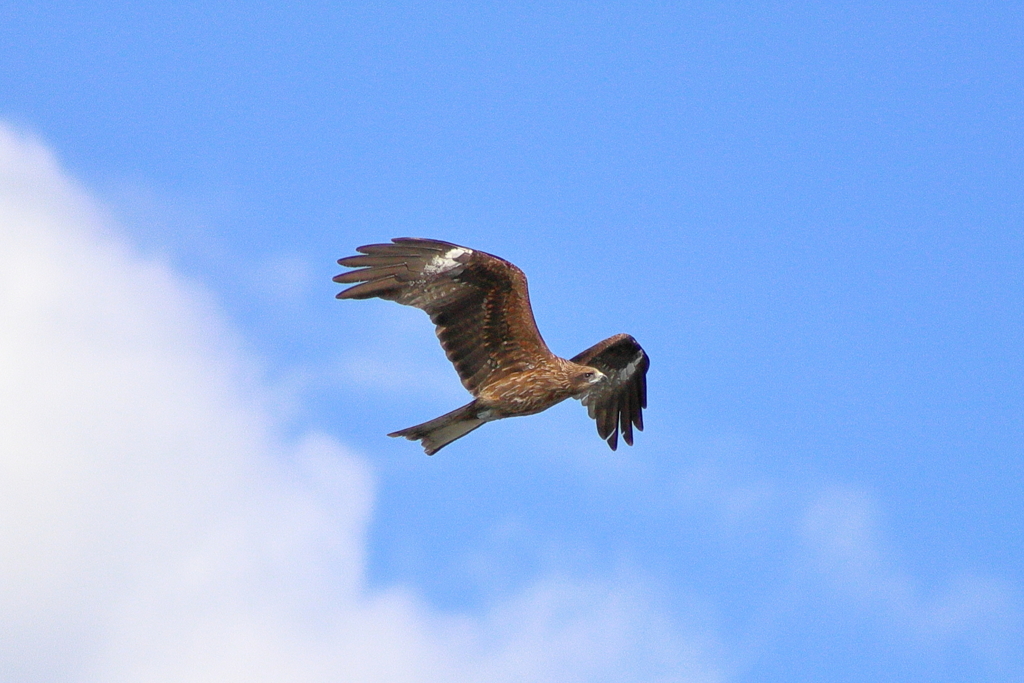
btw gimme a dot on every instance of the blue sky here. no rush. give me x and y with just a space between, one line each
808 213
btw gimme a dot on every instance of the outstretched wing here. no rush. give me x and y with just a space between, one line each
621 399
479 302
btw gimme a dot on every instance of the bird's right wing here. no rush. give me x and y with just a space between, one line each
620 400
479 302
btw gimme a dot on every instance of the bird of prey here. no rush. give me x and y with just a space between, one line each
480 306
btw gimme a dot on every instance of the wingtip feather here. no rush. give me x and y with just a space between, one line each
369 289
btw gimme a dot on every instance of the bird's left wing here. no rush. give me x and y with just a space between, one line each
620 400
479 303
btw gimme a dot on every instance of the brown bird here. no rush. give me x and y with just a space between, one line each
480 306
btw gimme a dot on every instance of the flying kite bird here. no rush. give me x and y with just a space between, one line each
480 306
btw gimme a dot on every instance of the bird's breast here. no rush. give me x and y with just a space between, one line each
526 393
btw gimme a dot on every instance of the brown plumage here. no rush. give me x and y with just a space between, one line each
480 306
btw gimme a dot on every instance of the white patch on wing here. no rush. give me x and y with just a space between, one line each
442 263
628 371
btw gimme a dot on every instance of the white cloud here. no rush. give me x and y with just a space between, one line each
283 279
401 356
155 526
844 544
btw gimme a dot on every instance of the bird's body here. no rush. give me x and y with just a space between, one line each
480 306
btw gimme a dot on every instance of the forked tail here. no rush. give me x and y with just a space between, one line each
441 431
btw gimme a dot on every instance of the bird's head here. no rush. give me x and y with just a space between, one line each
586 377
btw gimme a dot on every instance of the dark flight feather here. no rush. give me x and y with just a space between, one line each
619 402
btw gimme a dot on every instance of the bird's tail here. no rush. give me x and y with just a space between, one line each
441 431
